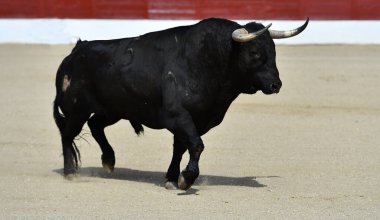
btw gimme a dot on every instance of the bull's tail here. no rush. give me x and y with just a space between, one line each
60 121
58 117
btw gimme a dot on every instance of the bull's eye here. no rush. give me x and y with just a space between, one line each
255 55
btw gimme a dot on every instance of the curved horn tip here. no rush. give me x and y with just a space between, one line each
306 22
289 33
304 25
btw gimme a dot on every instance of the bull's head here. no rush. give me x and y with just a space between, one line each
257 56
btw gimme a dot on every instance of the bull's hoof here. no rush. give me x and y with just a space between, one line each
182 184
108 163
71 176
186 179
171 185
108 167
70 172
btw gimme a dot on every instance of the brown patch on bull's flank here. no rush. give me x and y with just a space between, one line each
65 83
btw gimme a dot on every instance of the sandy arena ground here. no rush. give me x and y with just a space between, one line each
310 152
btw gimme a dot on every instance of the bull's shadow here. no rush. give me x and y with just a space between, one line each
158 178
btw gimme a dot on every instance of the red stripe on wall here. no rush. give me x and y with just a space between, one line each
193 9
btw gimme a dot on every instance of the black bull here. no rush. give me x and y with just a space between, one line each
182 79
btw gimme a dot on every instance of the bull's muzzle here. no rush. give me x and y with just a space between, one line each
272 88
275 87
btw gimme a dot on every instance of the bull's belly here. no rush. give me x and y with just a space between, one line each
152 114
146 114
147 117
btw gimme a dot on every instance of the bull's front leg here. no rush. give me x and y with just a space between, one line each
185 132
179 121
190 174
179 148
186 137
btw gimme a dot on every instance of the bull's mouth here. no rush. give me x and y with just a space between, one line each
252 90
270 91
267 92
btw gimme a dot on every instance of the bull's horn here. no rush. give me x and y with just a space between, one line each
242 35
290 33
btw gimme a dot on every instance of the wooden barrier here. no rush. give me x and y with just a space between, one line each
193 9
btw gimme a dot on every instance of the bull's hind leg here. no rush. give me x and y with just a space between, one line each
97 123
179 148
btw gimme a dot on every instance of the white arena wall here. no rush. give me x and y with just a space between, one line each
66 31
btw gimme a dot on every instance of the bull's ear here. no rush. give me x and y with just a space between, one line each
242 35
289 33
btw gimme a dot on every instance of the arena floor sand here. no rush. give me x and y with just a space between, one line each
310 152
